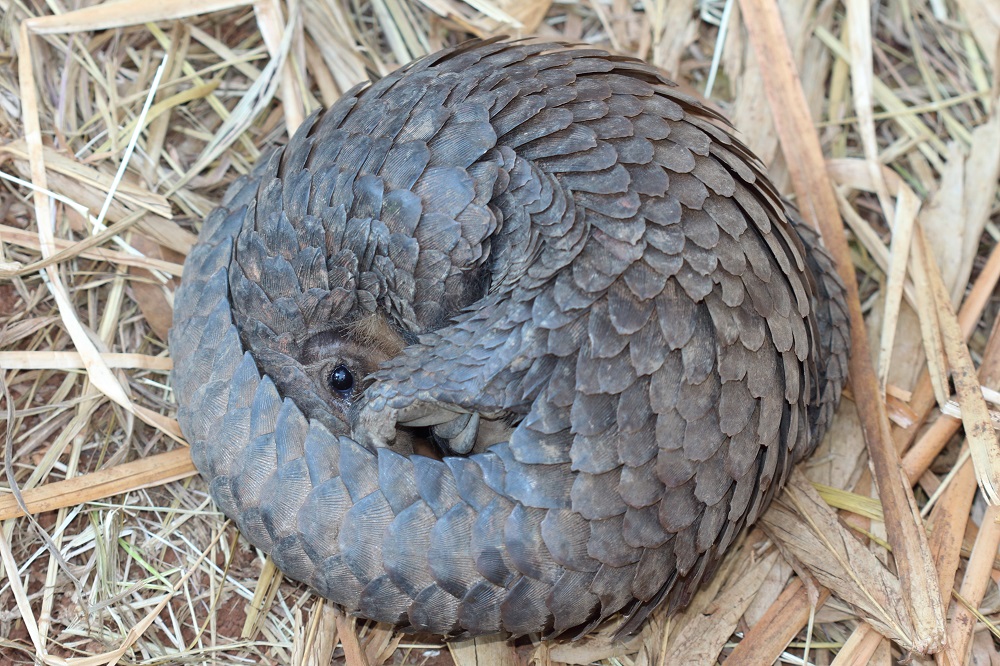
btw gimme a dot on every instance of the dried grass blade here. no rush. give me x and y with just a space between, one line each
162 107
597 646
154 297
165 424
71 249
975 415
950 515
930 328
816 201
856 174
862 75
859 648
53 360
96 224
382 641
272 29
927 141
920 456
140 124
156 133
870 240
107 16
263 596
980 294
129 195
861 505
673 30
907 206
983 19
807 528
99 373
922 402
146 473
947 524
97 370
408 21
493 11
982 174
243 63
977 577
113 657
332 33
482 650
394 31
702 639
247 109
354 655
319 640
766 641
22 238
10 568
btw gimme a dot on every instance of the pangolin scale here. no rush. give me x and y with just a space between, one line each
545 262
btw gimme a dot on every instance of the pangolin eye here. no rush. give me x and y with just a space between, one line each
342 381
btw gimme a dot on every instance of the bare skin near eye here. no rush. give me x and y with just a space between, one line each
341 363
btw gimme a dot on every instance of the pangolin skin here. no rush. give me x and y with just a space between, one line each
546 263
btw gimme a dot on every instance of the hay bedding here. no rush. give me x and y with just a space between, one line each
125 556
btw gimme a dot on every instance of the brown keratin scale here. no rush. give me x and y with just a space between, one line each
514 339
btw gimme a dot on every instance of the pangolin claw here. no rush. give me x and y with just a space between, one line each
457 436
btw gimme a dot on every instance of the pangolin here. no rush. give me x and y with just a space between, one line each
515 339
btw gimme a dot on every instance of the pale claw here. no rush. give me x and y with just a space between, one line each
458 436
455 433
453 427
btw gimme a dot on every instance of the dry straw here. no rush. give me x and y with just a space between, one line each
123 122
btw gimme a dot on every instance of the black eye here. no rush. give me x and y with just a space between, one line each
342 380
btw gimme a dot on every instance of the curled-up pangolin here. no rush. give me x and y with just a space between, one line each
514 339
